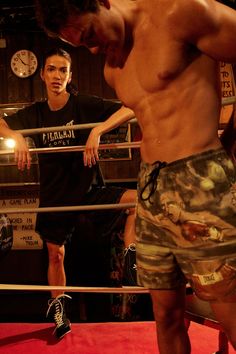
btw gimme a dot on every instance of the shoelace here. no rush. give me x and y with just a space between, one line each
152 179
58 316
131 247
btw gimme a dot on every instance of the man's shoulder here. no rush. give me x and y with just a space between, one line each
186 18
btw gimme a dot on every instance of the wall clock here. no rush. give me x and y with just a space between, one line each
24 63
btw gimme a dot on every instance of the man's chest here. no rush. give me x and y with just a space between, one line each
151 66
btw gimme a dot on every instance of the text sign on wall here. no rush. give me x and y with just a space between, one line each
227 90
24 235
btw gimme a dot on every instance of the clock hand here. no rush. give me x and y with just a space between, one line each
18 55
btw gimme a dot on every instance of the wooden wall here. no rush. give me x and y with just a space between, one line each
87 69
87 76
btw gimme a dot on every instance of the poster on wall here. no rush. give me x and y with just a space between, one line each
24 235
227 92
122 134
20 190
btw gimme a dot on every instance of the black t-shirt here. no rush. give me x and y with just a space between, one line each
63 177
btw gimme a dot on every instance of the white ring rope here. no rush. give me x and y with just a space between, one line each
79 289
225 101
27 132
68 208
65 127
75 148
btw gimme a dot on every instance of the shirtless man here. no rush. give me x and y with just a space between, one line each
162 58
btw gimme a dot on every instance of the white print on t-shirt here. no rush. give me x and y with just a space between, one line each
59 138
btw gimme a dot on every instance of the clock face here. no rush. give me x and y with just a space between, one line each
24 63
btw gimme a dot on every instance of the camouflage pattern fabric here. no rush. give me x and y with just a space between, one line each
190 205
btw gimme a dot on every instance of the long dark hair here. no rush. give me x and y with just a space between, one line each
56 51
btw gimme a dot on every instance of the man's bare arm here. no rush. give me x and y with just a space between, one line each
209 25
121 116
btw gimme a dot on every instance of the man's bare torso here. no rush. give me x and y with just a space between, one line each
173 88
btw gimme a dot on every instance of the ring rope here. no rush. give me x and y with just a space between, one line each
74 148
228 100
228 247
68 208
66 127
79 289
225 101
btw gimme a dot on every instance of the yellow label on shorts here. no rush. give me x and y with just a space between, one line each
208 279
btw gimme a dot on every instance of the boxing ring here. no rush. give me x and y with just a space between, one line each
197 311
97 338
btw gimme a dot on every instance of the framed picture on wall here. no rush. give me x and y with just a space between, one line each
122 134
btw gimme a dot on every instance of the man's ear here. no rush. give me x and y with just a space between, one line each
106 3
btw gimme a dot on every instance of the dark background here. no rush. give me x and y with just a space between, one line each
19 30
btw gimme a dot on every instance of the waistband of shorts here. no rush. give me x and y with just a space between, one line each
208 154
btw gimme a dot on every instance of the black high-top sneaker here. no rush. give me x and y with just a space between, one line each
56 307
129 269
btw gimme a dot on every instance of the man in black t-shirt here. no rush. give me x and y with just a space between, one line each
64 179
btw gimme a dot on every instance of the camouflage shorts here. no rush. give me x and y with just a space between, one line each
186 225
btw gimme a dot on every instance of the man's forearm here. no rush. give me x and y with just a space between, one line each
5 131
115 120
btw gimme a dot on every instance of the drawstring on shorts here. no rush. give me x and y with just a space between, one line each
152 180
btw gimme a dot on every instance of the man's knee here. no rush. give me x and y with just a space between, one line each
129 196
